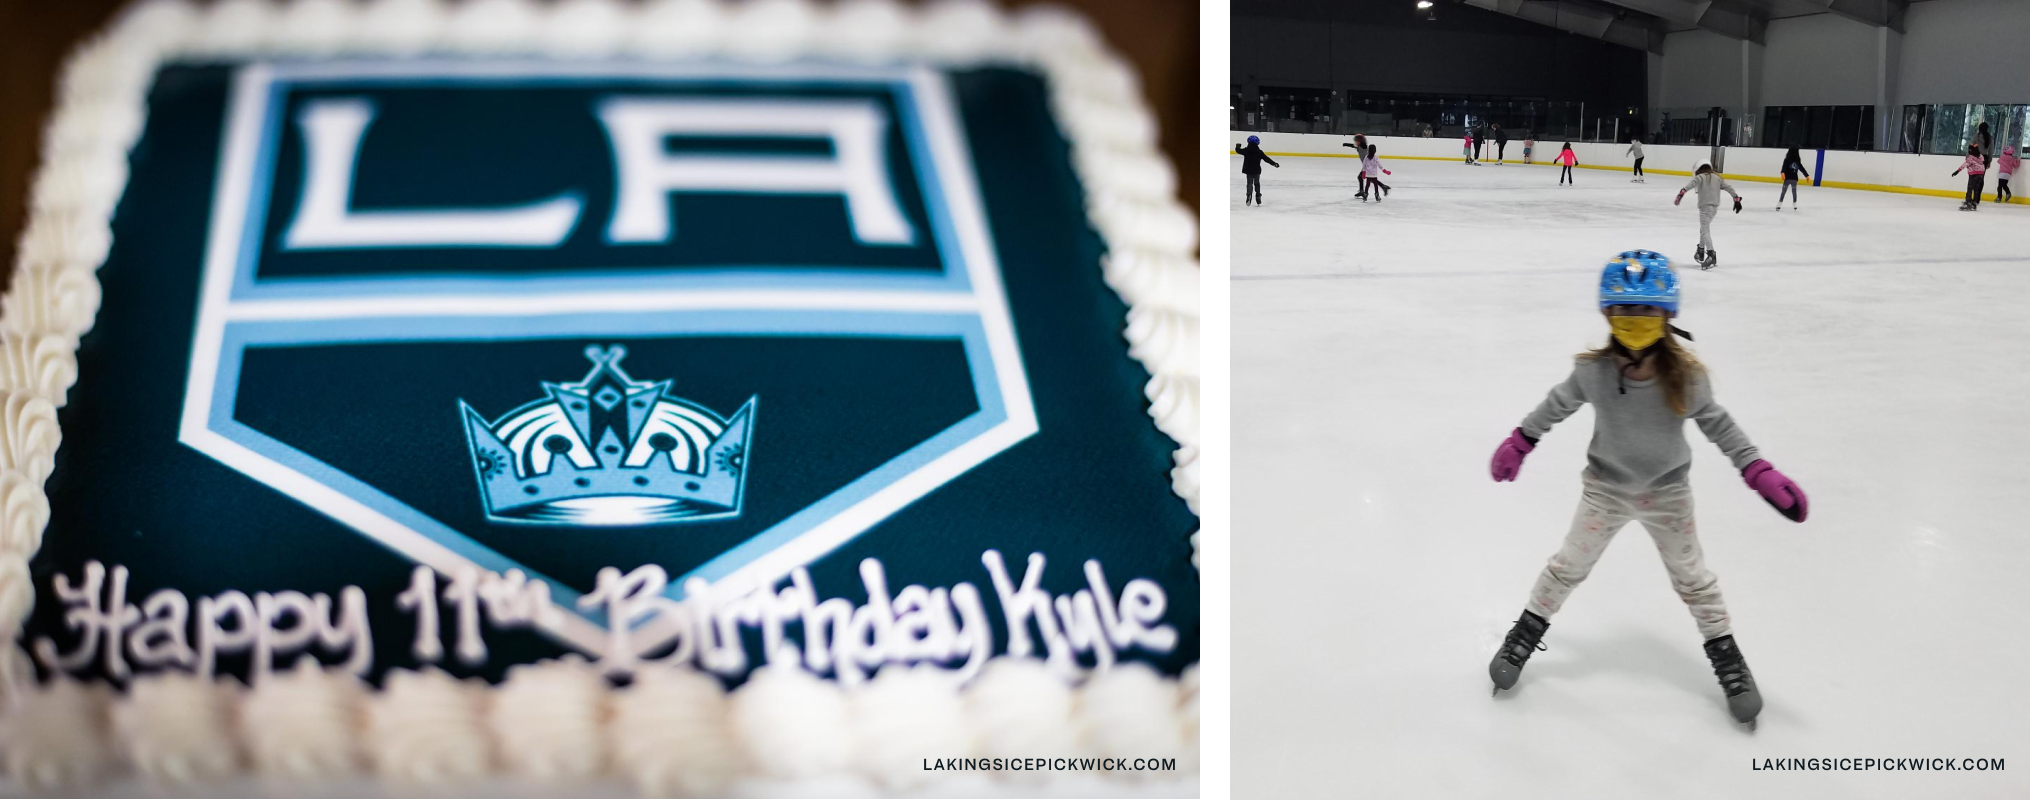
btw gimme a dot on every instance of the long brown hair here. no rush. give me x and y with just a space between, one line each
1675 368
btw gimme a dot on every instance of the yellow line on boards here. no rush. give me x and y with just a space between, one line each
1864 187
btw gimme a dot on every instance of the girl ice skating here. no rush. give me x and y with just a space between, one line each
1643 385
1710 185
2005 167
1793 165
1372 172
1251 167
1529 144
1570 160
1635 149
1976 169
1469 146
1360 148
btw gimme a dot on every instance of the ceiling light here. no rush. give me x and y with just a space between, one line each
1423 3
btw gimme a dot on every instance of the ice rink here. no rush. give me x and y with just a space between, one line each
1872 345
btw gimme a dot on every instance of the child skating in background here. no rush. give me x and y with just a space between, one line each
1570 160
1371 169
1976 168
1359 146
1469 146
1793 165
1251 167
2005 167
1643 385
1529 144
1635 149
1710 185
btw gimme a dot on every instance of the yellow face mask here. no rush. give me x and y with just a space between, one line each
1636 333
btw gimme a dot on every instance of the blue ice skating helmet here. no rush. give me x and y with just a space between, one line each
1639 278
1254 140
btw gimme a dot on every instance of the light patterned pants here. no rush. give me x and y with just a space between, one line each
1706 225
1667 513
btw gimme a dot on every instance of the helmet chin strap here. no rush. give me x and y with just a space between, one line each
1635 360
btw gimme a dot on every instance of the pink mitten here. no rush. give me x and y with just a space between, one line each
1508 458
1781 493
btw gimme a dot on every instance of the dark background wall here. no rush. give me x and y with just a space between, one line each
1387 46
1159 37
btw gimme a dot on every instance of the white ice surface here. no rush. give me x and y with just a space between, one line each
1872 345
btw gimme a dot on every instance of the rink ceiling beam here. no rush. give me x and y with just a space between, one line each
1879 13
1731 22
1646 35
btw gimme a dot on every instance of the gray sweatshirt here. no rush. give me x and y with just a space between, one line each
1710 185
1638 443
1635 149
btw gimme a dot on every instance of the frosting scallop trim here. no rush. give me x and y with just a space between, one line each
54 298
555 724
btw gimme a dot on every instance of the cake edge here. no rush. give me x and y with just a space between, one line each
311 722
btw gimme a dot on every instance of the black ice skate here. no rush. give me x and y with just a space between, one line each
1743 701
1523 641
1711 260
1699 255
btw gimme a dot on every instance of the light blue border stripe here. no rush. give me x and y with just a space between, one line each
991 413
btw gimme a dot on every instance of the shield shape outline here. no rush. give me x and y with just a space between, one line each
966 302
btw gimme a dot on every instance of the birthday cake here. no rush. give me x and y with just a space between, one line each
682 394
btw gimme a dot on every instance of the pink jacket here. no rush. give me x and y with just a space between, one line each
1973 166
1566 157
2007 163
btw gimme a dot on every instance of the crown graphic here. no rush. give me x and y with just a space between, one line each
610 450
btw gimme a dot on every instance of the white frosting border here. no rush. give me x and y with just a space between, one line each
177 730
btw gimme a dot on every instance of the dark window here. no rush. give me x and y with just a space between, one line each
1913 129
1794 126
1846 133
1819 131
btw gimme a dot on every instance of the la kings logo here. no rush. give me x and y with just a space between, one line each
409 262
